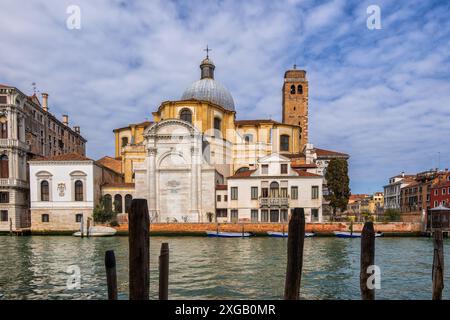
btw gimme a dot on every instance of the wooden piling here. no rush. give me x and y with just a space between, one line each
367 259
296 239
139 250
243 231
438 265
164 272
111 275
82 226
88 225
10 227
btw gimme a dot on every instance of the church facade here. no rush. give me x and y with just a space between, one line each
185 158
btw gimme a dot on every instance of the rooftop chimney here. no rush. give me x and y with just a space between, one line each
403 174
65 119
45 101
77 129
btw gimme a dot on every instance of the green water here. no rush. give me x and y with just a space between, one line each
211 268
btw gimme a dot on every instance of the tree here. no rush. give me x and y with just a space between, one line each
103 214
338 185
391 215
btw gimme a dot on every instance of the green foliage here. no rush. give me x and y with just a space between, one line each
102 214
338 184
391 215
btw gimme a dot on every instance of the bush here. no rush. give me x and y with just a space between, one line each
102 215
391 215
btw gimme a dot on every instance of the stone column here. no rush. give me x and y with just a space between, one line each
13 125
194 183
151 178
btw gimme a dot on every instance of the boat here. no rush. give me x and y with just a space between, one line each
346 234
97 231
275 234
215 234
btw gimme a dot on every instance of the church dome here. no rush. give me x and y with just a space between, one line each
209 89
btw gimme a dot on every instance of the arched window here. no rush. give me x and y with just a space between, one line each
118 203
78 190
107 202
284 142
217 127
45 195
274 189
124 141
243 169
248 138
186 115
3 128
128 199
293 89
300 89
4 166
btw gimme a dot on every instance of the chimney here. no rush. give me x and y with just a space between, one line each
65 119
403 174
45 101
77 129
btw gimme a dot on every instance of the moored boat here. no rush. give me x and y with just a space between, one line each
346 234
215 234
275 234
98 231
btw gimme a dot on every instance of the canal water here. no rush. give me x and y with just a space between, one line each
38 267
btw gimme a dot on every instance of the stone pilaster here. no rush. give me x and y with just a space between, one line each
152 192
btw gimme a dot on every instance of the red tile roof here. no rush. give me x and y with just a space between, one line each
243 174
303 165
221 187
4 86
111 163
327 153
64 157
302 173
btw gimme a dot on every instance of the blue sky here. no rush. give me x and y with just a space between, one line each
383 96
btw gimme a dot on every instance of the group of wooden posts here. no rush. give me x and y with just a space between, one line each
139 264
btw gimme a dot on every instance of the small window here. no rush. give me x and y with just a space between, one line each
4 197
299 89
219 198
234 216
435 203
225 198
4 215
45 218
293 89
234 193
284 215
444 190
435 192
265 169
315 192
284 168
284 142
217 127
294 192
254 215
254 193
283 192
265 192
78 217
222 213
248 138
186 115
124 141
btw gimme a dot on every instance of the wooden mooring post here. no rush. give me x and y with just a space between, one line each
296 239
367 260
111 275
88 225
82 226
10 227
164 272
139 250
438 264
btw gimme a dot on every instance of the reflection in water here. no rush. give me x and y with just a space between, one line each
214 268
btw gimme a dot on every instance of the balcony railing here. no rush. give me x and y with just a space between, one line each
13 143
274 202
11 182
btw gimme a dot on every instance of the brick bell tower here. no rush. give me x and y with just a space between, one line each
295 101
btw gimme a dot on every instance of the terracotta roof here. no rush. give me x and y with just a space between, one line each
293 155
141 124
221 187
254 122
302 173
243 174
4 86
118 185
303 165
64 157
111 163
328 153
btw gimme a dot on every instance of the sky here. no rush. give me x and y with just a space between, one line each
380 95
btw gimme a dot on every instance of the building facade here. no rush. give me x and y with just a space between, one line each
27 130
65 189
392 191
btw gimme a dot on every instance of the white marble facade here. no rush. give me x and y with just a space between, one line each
176 180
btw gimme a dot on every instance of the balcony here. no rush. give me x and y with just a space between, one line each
273 202
11 182
13 143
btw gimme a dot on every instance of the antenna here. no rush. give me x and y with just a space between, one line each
35 90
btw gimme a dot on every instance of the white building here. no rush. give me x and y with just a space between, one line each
392 190
64 190
267 193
